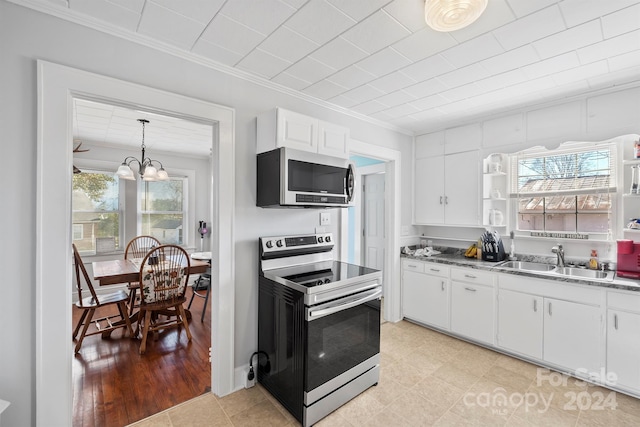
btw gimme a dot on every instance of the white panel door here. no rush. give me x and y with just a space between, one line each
520 318
373 241
425 298
623 348
429 190
573 335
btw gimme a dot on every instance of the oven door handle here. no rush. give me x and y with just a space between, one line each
343 304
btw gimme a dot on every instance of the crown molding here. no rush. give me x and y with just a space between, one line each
51 8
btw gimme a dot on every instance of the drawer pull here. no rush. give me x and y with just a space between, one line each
550 313
470 276
535 305
443 289
412 266
615 321
440 199
470 289
436 270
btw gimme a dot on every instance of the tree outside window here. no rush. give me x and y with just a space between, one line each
163 210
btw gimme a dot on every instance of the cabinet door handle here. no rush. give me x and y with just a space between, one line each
470 276
470 289
412 266
550 309
535 305
440 199
446 200
615 321
443 289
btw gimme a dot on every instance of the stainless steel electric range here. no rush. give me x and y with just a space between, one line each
318 325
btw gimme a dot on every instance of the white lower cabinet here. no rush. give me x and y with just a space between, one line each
520 318
572 335
623 339
472 304
553 322
425 293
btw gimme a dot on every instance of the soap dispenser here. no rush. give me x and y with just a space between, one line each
593 261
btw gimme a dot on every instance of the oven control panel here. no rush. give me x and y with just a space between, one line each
282 243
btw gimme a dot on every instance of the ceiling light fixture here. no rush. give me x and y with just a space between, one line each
452 15
147 171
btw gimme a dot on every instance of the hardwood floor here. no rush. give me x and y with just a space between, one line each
113 385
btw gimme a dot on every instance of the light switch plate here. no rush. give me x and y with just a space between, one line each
325 218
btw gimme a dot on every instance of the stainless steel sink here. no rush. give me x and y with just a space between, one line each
527 266
583 272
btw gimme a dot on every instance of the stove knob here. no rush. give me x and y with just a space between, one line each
320 282
327 239
279 243
320 239
269 244
327 280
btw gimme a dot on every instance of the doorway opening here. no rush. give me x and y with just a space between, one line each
57 86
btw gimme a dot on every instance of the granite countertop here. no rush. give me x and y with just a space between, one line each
456 257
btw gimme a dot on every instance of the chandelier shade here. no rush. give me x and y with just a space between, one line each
146 169
452 15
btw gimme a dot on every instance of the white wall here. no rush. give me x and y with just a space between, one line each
28 36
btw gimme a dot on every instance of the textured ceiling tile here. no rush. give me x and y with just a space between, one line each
369 107
170 27
424 44
626 60
262 63
474 50
324 89
363 93
231 35
427 68
501 80
571 39
583 72
511 60
290 81
621 22
358 9
401 110
426 88
215 52
350 77
263 16
392 82
409 13
497 14
310 70
109 12
552 65
429 102
383 62
338 53
288 45
525 7
396 98
465 75
611 47
198 10
319 21
576 12
462 92
530 28
343 101
376 32
134 5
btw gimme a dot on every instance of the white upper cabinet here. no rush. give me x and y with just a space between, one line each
617 112
555 123
284 128
446 189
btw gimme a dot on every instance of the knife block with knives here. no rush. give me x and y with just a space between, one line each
492 247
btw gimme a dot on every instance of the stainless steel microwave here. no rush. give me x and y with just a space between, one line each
293 178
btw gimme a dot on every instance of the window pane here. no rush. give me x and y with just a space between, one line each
95 208
162 196
560 222
593 223
531 222
167 228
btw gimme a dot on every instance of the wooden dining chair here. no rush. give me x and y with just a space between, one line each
91 303
164 274
138 248
201 288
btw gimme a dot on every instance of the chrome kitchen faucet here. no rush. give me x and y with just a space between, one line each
559 255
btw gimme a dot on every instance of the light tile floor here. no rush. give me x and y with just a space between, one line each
428 378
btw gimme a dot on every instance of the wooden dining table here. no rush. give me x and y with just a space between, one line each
113 272
117 271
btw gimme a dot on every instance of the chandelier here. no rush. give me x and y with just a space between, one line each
147 171
452 15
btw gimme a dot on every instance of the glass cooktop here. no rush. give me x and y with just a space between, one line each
321 273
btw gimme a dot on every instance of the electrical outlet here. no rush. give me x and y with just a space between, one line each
325 218
247 382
